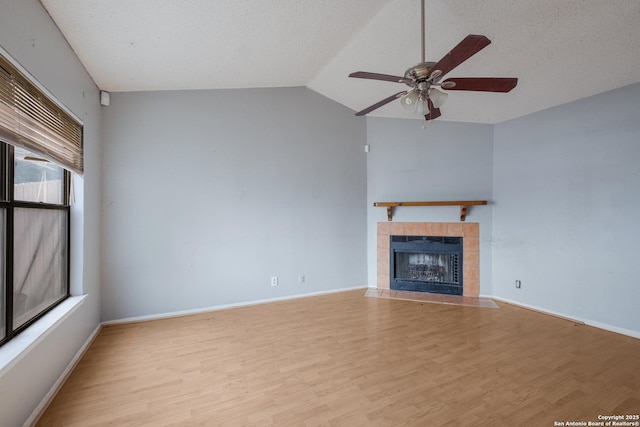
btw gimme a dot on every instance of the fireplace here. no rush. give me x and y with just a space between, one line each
469 231
426 264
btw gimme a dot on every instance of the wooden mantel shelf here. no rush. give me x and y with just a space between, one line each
464 206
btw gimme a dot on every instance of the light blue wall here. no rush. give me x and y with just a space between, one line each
566 186
284 169
210 193
30 37
411 160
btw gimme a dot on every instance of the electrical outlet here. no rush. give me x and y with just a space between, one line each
274 281
301 279
518 284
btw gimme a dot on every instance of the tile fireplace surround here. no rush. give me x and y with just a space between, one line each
470 232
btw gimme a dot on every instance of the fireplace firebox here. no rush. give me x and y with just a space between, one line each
426 264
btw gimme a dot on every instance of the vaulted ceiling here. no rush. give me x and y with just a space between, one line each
560 50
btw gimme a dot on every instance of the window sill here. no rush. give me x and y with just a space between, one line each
18 347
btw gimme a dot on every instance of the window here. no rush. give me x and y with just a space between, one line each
35 213
40 142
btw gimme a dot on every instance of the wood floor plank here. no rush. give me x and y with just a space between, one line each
347 360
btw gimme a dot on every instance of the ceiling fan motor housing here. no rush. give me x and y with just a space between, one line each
423 77
419 72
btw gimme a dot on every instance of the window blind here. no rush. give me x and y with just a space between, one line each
28 118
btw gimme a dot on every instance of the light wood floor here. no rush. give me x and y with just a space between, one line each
347 360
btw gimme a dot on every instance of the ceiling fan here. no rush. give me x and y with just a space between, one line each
423 98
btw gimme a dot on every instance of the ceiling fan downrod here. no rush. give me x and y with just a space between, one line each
422 33
422 97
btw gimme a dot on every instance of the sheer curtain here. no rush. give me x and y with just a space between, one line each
40 264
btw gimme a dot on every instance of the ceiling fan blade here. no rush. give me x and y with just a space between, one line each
481 84
464 50
433 113
381 103
377 76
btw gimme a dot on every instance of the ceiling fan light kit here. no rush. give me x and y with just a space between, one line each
438 97
410 100
424 78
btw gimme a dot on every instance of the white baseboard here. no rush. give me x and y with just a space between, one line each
588 322
48 398
223 307
611 328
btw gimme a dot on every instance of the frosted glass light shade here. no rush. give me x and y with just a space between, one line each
423 107
410 100
437 97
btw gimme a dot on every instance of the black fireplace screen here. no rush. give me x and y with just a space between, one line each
427 264
427 267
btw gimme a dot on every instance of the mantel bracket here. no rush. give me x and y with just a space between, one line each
463 212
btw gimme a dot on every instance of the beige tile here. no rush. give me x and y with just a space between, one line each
413 229
471 229
409 294
488 303
372 292
383 281
383 241
450 299
436 297
422 296
471 243
469 301
454 229
385 292
383 262
471 288
438 229
470 272
426 229
384 228
397 229
470 258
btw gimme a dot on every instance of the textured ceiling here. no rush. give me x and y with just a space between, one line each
561 50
